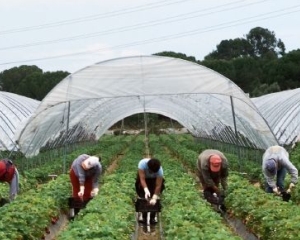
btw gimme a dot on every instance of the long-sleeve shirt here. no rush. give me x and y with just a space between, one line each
281 158
82 174
203 167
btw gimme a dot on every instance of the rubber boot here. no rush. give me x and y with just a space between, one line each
153 218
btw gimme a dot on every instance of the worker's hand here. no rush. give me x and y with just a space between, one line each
147 193
275 191
153 199
81 192
291 186
94 192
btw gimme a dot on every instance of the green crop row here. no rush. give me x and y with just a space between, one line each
186 215
32 211
265 215
110 215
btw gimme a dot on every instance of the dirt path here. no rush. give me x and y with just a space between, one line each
57 227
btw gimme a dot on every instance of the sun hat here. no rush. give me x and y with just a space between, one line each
215 163
271 166
90 162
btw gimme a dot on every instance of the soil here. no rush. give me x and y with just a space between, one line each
57 227
147 233
114 164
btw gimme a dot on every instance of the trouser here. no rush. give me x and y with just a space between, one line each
280 176
88 186
14 186
151 184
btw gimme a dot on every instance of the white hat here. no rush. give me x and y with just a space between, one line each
90 162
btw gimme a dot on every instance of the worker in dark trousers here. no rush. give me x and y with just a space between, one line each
149 184
212 170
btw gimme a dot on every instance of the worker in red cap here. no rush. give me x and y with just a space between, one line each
212 169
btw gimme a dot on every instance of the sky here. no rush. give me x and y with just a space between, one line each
68 35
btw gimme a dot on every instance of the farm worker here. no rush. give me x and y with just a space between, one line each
10 174
212 169
275 164
85 174
149 182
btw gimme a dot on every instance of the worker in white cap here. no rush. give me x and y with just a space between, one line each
85 174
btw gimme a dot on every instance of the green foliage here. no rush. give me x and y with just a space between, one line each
264 42
176 55
30 81
230 49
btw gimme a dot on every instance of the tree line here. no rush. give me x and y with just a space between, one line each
257 63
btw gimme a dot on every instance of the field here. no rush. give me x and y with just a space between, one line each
40 211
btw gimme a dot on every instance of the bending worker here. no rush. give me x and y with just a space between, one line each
212 169
84 174
10 174
275 164
149 182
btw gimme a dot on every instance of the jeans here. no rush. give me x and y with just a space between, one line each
280 176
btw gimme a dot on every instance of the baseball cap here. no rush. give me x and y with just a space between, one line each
271 166
215 163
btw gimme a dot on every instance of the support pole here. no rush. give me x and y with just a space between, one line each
236 133
67 132
146 131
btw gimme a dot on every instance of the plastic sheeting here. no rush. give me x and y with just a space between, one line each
15 110
282 112
88 102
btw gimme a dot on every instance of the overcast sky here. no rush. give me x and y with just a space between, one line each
69 35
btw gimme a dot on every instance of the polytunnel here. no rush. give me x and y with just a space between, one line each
15 110
282 111
88 102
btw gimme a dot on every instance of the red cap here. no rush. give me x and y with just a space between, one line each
215 163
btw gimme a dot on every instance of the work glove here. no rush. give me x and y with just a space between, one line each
275 191
147 193
291 186
81 192
153 199
94 192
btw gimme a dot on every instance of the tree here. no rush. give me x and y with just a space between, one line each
221 66
259 42
285 71
30 81
264 41
264 89
10 79
176 55
232 48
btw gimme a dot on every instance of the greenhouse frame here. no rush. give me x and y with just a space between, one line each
88 102
282 112
15 110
